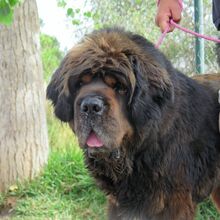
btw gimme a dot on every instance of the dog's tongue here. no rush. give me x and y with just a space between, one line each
94 141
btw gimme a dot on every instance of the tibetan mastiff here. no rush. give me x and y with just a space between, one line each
149 133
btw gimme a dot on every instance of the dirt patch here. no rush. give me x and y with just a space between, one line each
7 208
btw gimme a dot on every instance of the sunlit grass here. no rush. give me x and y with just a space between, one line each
65 190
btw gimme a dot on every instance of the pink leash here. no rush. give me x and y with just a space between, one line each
160 41
163 35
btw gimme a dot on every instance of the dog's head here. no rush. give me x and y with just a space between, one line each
110 88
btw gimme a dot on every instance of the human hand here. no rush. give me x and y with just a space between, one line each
168 9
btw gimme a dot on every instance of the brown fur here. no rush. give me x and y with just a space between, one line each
211 80
161 145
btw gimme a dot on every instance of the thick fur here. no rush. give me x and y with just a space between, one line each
162 144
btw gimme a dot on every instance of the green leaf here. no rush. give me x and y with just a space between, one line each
70 12
7 10
13 2
7 20
6 13
76 22
4 9
88 14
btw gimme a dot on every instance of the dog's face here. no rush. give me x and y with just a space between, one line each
100 106
109 91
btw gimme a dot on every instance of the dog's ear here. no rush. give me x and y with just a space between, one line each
153 89
152 65
160 86
58 93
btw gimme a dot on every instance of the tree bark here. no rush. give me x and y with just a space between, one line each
23 130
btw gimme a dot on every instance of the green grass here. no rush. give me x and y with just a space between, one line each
65 190
207 211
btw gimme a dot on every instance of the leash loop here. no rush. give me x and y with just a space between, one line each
160 41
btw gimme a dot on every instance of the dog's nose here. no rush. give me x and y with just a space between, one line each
93 105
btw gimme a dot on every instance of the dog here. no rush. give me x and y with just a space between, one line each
149 133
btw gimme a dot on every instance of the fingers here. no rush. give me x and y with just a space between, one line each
163 22
168 9
176 11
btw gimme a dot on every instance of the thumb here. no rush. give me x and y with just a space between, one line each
164 24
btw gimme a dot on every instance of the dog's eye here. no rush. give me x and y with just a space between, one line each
120 88
84 80
115 84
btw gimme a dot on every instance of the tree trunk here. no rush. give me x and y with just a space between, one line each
23 130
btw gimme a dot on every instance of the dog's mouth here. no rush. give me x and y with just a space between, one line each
94 141
96 148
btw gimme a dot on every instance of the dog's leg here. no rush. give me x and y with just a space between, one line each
181 207
216 197
113 209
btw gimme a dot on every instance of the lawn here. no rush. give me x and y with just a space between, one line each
65 190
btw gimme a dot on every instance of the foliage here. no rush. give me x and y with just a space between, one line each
138 16
51 54
79 16
7 10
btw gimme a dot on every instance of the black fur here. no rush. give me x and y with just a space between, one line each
172 161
